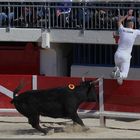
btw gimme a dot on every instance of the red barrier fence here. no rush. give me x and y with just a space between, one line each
51 82
7 84
125 98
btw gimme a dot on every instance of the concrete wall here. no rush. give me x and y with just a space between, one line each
59 36
20 35
48 62
53 61
93 71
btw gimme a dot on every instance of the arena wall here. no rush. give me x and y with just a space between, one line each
124 98
91 71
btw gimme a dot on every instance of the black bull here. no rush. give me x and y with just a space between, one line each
60 102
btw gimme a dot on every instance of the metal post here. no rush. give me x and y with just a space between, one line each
101 104
34 82
8 27
83 10
49 17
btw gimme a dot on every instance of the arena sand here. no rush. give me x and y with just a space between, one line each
18 127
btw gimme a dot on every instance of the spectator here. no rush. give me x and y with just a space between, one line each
138 19
3 18
131 17
83 12
26 14
64 10
8 15
3 14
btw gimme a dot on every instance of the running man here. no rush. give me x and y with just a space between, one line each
122 56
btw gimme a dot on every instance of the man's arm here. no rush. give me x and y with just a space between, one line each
138 32
121 20
128 16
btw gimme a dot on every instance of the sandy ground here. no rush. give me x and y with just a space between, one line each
17 127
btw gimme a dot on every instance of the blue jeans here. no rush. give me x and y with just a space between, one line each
3 18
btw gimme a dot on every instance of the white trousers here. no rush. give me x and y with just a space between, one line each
122 61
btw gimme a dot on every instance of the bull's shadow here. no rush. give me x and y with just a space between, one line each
54 127
126 119
49 129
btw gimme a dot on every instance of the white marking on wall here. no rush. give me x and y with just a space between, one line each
34 82
6 91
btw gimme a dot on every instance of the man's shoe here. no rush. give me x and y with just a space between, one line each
120 80
118 74
112 75
114 72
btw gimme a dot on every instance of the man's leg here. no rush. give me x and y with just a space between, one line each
125 65
125 69
117 67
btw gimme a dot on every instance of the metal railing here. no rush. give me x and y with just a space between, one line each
66 15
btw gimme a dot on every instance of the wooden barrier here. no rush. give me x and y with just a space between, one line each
120 101
114 100
125 98
7 84
52 82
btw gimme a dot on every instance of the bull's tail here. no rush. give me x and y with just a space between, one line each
18 88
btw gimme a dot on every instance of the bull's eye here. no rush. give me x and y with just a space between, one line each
71 86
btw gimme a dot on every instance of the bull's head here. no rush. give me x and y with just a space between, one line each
91 93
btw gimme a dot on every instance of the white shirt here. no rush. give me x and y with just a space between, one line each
127 38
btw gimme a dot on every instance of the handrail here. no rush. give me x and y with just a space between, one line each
106 1
87 16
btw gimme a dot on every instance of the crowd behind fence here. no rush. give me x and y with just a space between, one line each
66 15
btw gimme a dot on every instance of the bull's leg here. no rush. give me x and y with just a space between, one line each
76 119
34 121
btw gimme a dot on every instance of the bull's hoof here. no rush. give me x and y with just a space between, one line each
44 133
84 128
51 131
75 128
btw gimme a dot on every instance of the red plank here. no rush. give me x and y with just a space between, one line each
10 82
51 82
124 98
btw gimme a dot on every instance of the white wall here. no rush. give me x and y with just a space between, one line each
60 60
52 62
59 36
20 35
48 62
92 71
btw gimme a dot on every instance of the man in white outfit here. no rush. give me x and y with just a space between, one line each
122 56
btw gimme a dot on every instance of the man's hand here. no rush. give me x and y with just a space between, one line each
130 12
121 20
58 13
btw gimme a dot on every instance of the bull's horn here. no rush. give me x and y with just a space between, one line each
83 78
84 74
96 81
